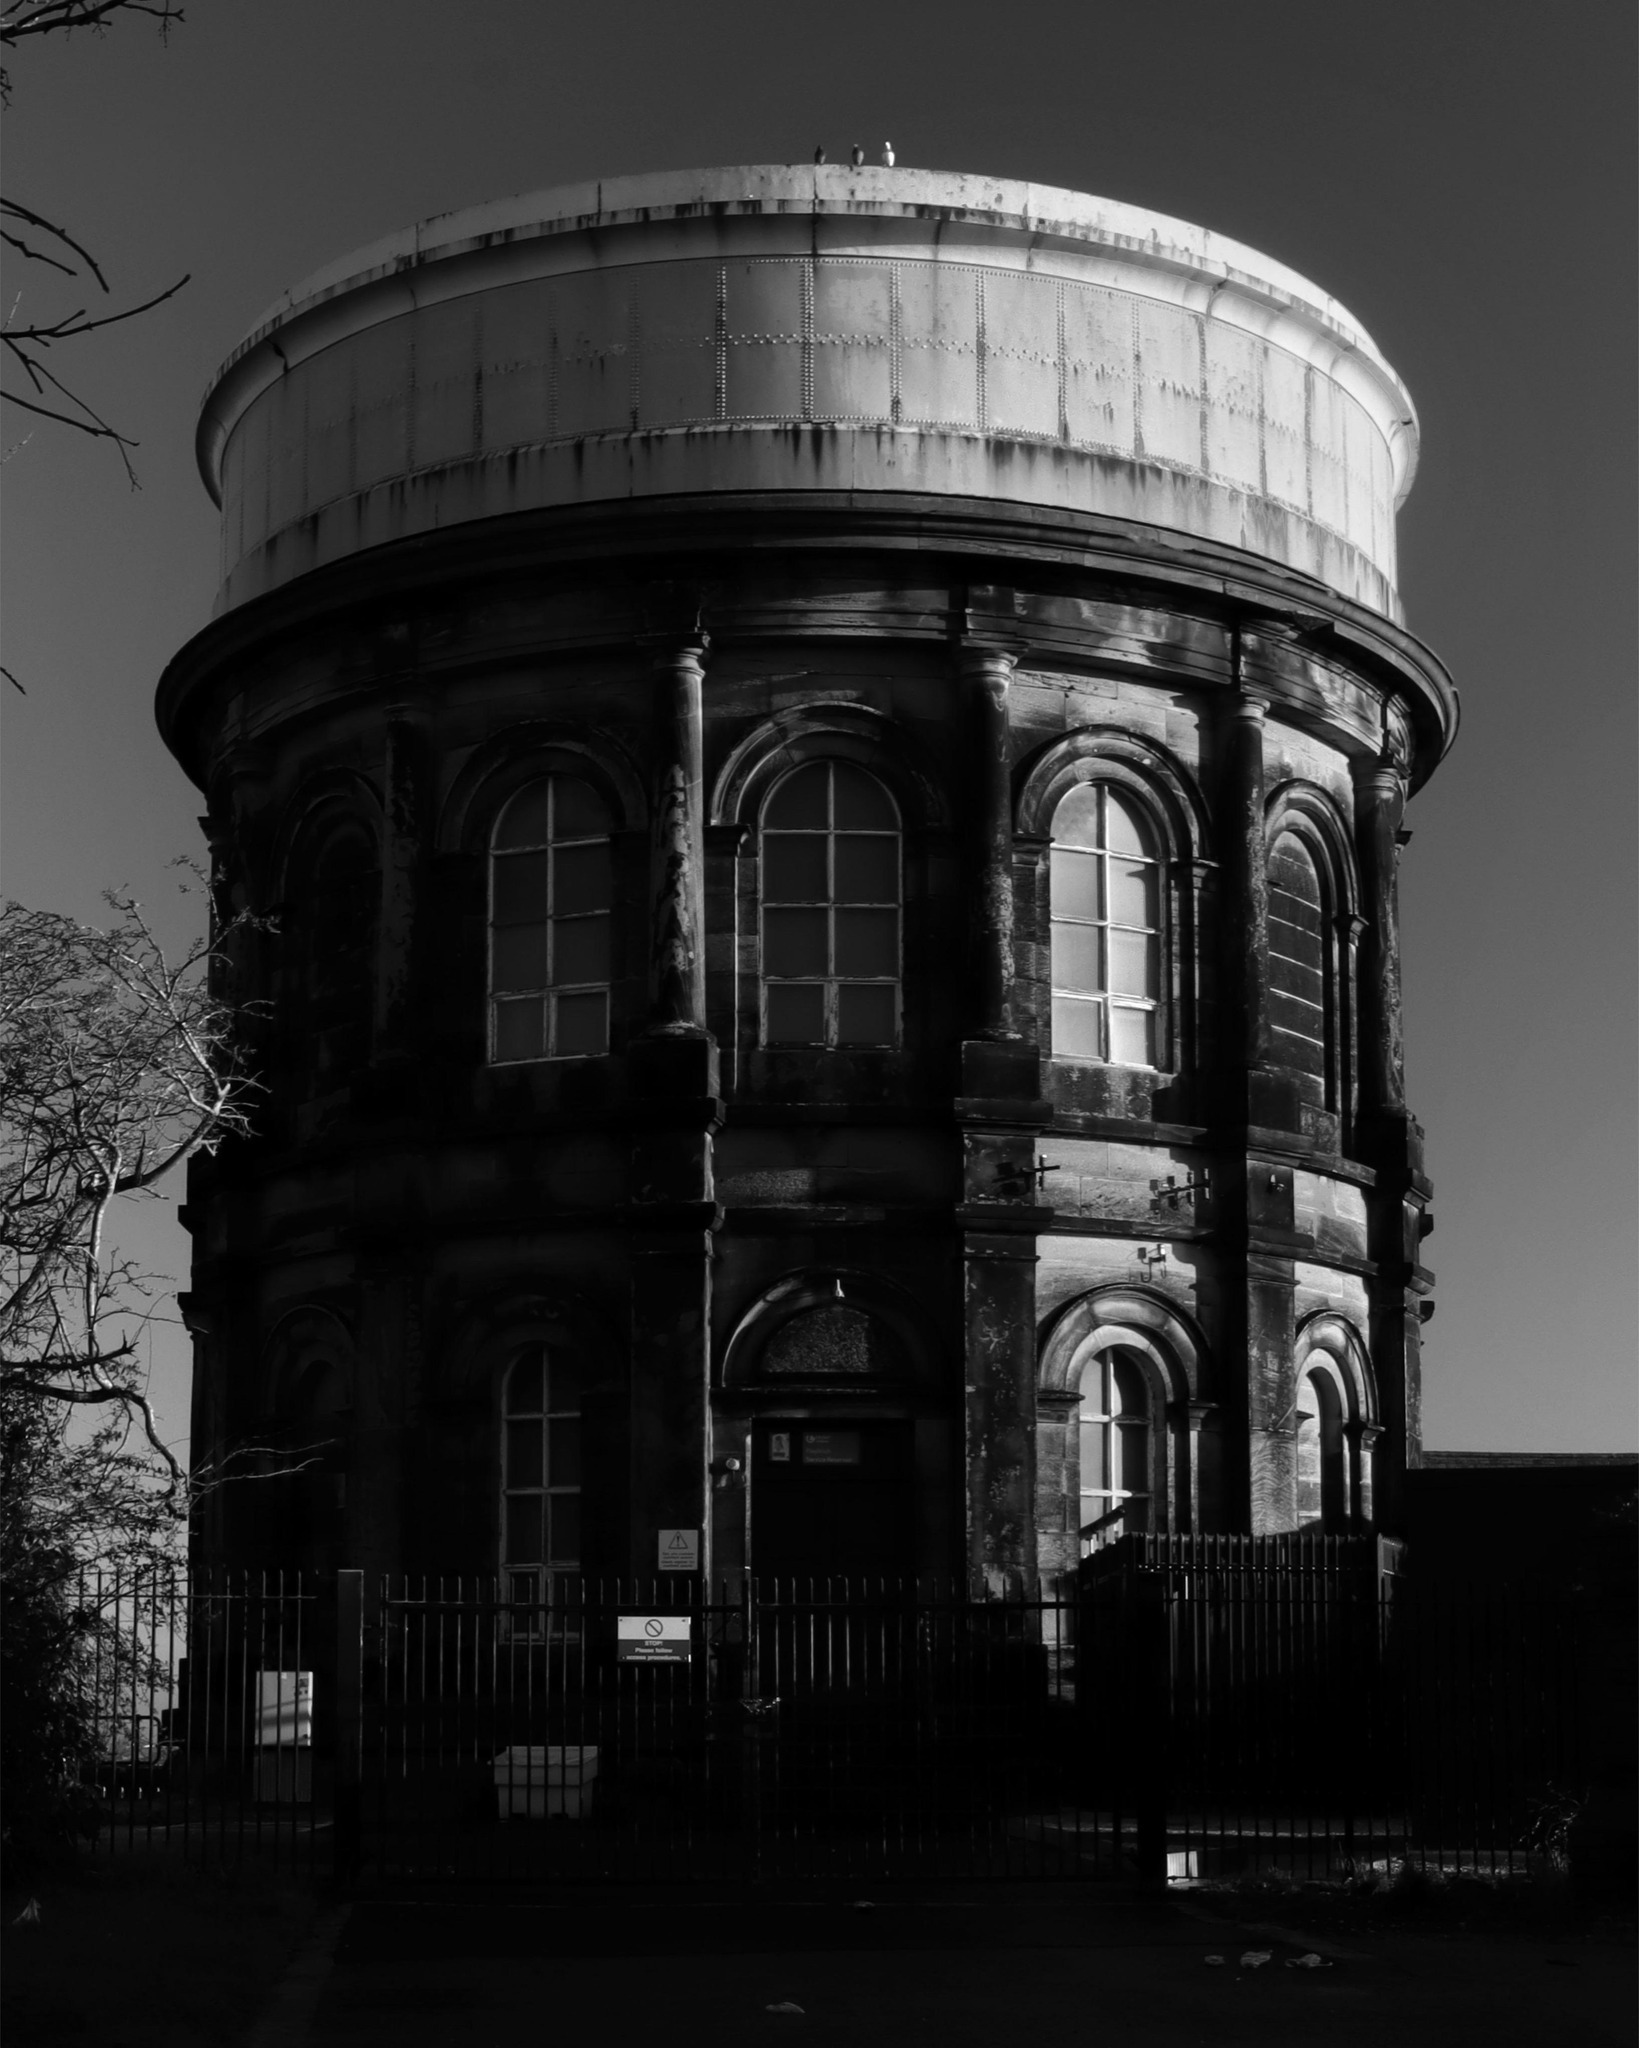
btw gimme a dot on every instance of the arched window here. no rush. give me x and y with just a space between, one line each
1297 968
1115 1440
1106 929
319 1427
1322 1482
540 1470
549 900
337 900
830 907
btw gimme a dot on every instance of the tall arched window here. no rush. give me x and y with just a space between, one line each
1297 968
830 907
320 1427
1322 1480
549 902
540 1470
1106 929
1115 1440
336 913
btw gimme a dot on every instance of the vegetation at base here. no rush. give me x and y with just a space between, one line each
1403 1896
140 1950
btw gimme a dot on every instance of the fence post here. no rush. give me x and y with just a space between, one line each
349 1792
1149 1681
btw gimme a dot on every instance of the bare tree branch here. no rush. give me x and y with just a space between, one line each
23 18
116 1066
73 325
32 219
25 344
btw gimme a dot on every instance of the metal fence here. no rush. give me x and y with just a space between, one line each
1179 1714
191 1728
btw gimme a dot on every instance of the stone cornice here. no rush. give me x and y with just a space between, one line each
1059 568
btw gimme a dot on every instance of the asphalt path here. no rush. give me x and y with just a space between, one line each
969 1969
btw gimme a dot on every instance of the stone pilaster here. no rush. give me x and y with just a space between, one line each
1380 802
1395 1338
999 1316
1245 907
1058 1502
670 1368
989 674
403 888
1271 1394
1205 1477
1362 1439
1000 1115
673 1075
382 1517
677 976
1250 1102
1390 1136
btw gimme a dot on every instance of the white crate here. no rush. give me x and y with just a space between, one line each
538 1780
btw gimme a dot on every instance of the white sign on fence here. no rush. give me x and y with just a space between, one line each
284 1710
652 1639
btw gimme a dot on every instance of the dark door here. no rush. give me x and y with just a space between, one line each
832 1500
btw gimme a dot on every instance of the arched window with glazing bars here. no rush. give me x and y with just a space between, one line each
550 905
1301 998
831 905
1115 1447
540 1470
334 923
1106 929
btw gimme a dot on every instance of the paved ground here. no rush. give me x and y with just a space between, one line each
985 1968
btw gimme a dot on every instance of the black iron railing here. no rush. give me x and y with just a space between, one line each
1178 1709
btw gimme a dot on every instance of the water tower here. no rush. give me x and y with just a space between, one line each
825 750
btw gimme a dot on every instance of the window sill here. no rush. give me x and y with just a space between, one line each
813 1045
545 1059
1068 1059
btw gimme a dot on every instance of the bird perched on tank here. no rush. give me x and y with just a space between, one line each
887 155
859 155
819 152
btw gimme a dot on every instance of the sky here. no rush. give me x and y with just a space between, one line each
1460 173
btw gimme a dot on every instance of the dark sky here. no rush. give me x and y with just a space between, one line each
1461 176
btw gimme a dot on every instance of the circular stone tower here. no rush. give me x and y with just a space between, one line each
824 752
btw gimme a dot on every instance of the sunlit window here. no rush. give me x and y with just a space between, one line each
830 909
1106 929
1114 1441
1297 966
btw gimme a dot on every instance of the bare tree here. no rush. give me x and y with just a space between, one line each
116 1066
36 386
